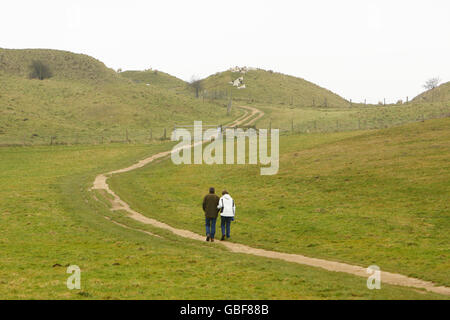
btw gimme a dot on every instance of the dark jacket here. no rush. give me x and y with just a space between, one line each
210 203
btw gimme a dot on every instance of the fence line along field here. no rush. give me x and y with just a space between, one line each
288 120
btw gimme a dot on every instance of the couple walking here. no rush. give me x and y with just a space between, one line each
212 205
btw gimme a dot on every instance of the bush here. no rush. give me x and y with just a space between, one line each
38 70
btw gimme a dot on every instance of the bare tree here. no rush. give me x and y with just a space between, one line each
196 84
432 83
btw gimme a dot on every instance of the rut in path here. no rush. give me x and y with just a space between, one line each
100 183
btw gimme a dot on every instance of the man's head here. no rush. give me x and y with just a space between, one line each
224 192
212 190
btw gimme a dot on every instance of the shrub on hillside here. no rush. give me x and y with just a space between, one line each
38 70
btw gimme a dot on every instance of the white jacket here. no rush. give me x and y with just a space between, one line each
227 203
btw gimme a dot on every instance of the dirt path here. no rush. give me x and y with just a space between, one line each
100 183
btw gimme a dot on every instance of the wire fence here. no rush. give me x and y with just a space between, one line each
338 125
140 136
146 136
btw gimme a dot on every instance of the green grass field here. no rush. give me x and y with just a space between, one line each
50 220
376 197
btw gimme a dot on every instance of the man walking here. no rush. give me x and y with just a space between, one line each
227 213
210 203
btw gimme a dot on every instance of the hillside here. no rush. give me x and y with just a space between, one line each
63 64
269 87
85 102
438 94
156 78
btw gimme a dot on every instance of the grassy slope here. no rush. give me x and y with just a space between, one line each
293 102
85 101
158 79
309 119
439 94
51 220
364 198
63 64
271 88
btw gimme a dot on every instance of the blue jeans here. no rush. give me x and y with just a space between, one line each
210 224
225 223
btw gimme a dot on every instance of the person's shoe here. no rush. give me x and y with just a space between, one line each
212 239
207 237
223 238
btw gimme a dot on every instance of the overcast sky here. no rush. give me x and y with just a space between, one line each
358 49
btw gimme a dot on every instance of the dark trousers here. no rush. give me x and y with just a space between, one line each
225 224
210 224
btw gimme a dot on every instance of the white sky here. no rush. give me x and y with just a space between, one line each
358 49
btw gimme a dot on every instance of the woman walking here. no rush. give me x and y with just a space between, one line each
227 213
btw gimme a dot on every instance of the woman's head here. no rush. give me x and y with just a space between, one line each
224 192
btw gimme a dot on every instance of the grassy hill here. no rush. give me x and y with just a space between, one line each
438 94
363 197
86 102
63 64
270 87
156 78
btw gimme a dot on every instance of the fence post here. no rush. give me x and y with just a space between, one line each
359 124
126 132
165 133
315 125
292 125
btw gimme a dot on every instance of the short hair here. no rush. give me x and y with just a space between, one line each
212 190
224 192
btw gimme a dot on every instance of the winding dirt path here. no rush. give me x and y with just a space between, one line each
100 183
